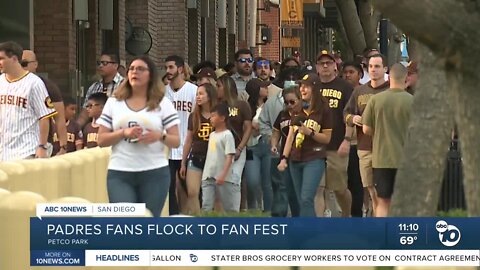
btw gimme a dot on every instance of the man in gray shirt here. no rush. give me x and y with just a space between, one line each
244 66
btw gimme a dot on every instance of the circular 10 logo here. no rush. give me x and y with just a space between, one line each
449 235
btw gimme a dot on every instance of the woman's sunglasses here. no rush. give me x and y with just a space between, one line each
290 102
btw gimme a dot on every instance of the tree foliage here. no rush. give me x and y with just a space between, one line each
455 50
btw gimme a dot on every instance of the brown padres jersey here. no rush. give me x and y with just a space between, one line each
52 89
74 137
356 105
282 124
238 114
201 136
90 136
309 148
337 92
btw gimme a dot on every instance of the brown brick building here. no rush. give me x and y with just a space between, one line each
68 36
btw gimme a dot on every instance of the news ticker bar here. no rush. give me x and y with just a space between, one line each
256 258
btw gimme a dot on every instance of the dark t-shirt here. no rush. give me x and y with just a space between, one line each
52 89
282 124
337 92
237 115
90 136
201 136
74 133
309 148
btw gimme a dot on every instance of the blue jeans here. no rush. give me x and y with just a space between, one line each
149 187
283 191
306 178
257 174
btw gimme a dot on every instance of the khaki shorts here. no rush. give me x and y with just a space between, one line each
336 177
365 163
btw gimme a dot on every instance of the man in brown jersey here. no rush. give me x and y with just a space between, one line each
337 92
353 111
29 62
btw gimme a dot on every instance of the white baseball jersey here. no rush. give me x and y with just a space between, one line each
23 103
129 155
183 100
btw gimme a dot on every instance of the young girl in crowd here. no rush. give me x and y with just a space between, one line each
196 145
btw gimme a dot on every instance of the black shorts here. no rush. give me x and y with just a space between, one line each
384 180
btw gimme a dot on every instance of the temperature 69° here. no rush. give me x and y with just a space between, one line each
407 240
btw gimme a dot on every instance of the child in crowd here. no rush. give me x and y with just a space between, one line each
74 133
218 166
95 105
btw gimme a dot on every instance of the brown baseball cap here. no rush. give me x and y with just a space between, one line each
255 84
412 67
311 79
206 72
325 53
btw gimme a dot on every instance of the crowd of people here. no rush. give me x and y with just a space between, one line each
252 135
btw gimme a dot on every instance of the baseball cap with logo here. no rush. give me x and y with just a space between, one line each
255 84
311 79
325 53
206 72
220 72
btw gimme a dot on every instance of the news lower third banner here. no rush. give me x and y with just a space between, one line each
187 241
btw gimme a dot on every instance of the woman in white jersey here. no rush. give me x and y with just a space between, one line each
138 122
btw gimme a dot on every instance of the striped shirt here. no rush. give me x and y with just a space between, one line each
131 156
183 101
23 102
99 86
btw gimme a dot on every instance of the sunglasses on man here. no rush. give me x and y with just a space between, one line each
25 63
245 60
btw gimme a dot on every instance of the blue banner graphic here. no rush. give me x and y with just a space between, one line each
71 235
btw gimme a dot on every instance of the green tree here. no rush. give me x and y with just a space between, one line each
447 91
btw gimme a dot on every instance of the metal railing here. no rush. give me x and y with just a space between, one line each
453 195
